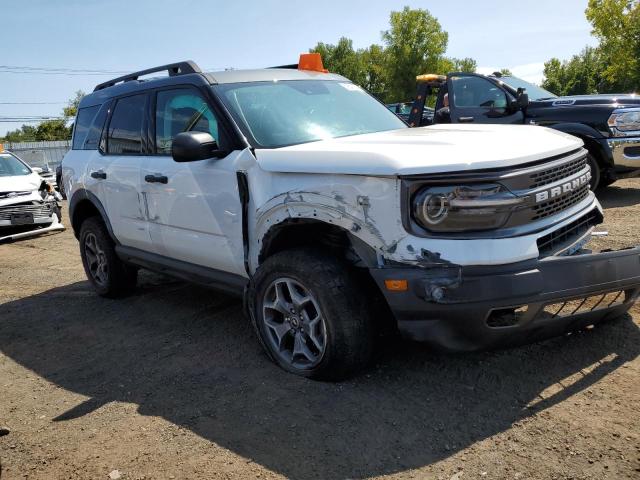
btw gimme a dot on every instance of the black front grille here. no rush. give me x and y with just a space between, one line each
564 236
554 174
39 210
546 209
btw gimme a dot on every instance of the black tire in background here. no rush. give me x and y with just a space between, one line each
61 189
109 276
333 292
58 211
596 173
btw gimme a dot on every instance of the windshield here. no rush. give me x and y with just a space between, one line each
10 166
281 113
535 92
35 158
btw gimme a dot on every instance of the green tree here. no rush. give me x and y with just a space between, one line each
415 44
71 109
505 72
616 24
26 133
373 61
467 65
579 75
343 59
366 67
53 130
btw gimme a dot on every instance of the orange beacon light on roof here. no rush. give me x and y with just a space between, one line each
311 62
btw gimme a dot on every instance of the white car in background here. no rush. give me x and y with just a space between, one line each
28 204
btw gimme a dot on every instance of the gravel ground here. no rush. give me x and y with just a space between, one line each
171 383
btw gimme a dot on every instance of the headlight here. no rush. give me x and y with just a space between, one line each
625 122
463 207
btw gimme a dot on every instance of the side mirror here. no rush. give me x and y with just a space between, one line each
522 99
38 170
193 146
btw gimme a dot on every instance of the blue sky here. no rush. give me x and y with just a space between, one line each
135 34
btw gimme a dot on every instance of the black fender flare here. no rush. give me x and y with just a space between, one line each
83 195
593 140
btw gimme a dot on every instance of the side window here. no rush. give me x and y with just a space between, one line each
477 92
95 131
182 110
125 128
84 120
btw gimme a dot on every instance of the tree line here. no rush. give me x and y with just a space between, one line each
611 67
56 129
415 43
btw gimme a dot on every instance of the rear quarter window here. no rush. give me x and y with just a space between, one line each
94 134
84 120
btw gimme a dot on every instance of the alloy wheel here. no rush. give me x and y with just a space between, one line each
96 260
294 324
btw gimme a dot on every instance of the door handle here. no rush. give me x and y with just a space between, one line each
466 119
156 179
99 175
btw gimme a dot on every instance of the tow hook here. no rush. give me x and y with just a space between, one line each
439 280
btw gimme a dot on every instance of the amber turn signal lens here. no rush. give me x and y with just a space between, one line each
396 285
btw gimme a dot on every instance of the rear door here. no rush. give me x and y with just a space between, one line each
477 99
118 171
194 208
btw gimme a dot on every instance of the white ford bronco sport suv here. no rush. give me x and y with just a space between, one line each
296 189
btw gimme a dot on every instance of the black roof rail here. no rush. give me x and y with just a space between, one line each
174 69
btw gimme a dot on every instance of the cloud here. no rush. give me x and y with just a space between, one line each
531 72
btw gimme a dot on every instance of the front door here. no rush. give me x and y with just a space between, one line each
477 99
194 208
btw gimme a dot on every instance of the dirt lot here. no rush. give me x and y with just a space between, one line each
171 383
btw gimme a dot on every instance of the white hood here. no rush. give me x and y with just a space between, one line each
435 149
20 183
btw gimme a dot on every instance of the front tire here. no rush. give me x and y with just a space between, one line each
109 276
311 315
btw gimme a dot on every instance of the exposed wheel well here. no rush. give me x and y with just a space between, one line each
294 233
83 210
299 232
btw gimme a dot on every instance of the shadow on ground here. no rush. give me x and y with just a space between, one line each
187 354
615 197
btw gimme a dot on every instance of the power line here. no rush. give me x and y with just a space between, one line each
67 74
32 103
28 121
61 69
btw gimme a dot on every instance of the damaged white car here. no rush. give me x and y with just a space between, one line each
297 190
28 205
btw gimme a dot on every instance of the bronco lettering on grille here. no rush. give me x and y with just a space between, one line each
564 188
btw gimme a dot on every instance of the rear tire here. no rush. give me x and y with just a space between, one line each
311 315
109 276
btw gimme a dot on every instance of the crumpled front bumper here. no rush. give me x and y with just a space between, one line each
55 226
470 308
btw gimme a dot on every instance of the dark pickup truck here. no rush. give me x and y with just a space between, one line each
609 125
